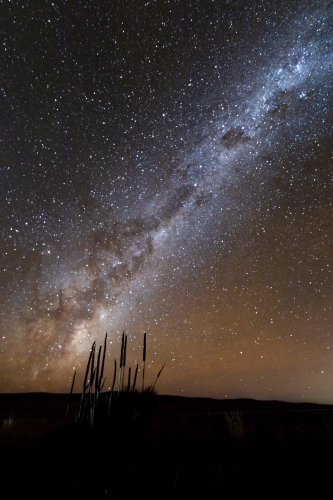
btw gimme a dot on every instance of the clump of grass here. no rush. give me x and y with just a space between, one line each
93 383
234 420
144 361
126 406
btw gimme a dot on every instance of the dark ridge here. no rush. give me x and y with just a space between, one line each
191 447
45 404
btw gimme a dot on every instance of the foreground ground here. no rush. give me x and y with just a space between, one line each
187 448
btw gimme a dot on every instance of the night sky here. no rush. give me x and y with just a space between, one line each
167 166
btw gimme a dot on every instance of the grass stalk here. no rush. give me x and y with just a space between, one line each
85 381
121 360
144 360
96 393
124 363
101 382
135 376
159 373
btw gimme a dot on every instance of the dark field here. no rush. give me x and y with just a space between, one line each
182 448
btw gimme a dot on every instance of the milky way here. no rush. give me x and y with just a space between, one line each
167 167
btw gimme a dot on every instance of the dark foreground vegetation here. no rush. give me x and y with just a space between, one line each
129 442
164 447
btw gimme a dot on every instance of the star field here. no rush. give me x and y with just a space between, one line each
167 167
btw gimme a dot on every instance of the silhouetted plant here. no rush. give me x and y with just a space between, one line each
124 406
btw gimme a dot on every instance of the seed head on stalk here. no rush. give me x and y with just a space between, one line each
159 373
121 360
144 360
124 363
135 376
101 381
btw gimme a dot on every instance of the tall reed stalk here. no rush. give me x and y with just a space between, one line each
121 360
86 381
124 363
159 373
144 360
135 376
90 388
